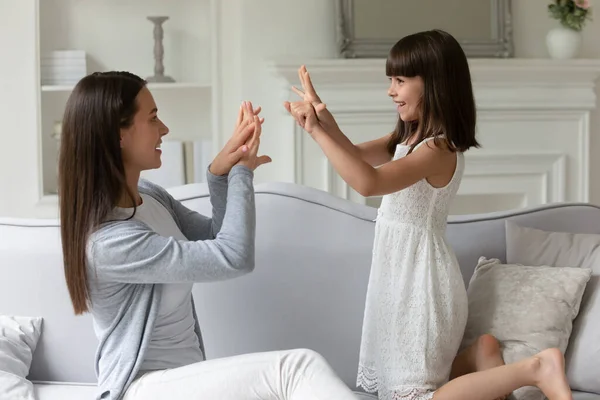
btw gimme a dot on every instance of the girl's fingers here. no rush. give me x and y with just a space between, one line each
308 86
301 77
298 92
320 107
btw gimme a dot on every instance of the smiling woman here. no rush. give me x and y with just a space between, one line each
128 241
140 142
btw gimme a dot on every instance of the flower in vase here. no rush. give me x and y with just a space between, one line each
585 4
571 14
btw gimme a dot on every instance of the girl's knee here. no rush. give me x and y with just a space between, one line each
487 344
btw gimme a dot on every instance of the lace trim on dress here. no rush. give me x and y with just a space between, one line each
410 394
367 379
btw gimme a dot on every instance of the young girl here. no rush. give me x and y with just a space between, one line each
416 306
132 253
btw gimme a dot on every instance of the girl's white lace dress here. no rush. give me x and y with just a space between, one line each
416 306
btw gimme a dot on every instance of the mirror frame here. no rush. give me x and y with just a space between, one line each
499 46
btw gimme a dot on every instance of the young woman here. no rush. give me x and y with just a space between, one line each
132 253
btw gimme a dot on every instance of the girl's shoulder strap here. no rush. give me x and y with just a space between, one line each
427 140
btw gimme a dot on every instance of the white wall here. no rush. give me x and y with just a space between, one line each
254 37
18 103
252 32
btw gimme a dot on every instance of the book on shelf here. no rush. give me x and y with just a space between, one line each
63 67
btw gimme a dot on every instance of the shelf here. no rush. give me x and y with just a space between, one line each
127 44
151 86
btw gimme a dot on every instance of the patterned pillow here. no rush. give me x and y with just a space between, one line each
561 249
528 309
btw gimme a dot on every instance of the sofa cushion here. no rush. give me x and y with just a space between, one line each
585 396
18 339
33 283
561 249
64 391
528 309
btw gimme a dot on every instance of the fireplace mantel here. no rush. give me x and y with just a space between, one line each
498 83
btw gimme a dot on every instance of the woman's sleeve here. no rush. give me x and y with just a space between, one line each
130 252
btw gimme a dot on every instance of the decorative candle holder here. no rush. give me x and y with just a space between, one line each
159 68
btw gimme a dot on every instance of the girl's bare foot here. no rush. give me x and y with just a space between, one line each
549 374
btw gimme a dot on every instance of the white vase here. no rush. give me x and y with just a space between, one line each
563 43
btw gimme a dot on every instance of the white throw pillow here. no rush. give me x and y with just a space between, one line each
18 339
561 249
528 309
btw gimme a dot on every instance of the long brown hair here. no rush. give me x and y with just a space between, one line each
91 174
448 104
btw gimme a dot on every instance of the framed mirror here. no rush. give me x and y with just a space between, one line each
369 28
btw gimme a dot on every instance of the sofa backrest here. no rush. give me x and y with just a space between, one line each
308 288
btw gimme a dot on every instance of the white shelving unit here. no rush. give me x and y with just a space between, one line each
116 35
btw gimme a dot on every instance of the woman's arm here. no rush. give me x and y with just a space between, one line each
195 226
130 252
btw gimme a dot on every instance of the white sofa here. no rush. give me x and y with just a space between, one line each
308 288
